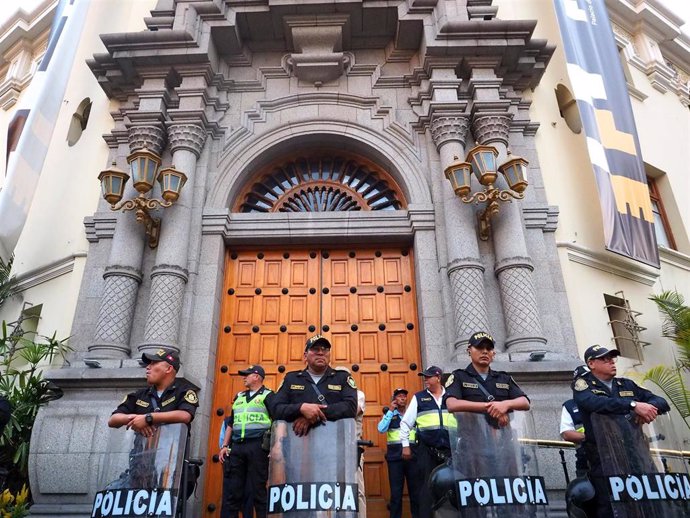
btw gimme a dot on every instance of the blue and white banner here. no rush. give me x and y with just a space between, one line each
31 130
602 97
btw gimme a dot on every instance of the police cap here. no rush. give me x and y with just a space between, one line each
317 340
169 356
253 369
599 351
481 337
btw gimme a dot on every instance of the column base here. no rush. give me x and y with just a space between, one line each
108 351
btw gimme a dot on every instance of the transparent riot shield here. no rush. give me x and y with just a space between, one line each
495 468
642 467
141 476
313 476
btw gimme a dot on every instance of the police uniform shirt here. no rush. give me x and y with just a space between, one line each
592 395
338 387
178 396
464 384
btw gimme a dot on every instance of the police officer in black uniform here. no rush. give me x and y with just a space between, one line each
572 429
478 388
243 450
309 397
599 391
165 400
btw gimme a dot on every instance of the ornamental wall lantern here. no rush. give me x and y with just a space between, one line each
143 165
481 160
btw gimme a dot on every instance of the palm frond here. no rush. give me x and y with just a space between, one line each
676 322
8 283
671 383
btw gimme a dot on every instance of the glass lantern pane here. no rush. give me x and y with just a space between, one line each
489 160
135 170
174 183
150 171
116 184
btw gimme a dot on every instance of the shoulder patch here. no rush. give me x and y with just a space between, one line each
124 399
351 382
580 385
450 380
281 385
191 397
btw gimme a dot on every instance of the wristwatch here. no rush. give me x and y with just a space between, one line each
633 404
149 419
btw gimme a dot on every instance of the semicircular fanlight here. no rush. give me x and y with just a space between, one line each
322 184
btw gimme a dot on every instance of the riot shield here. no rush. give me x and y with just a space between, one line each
495 468
642 467
141 476
313 476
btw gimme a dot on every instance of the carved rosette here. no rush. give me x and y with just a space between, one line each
469 300
111 339
447 128
146 136
490 128
190 137
520 309
165 307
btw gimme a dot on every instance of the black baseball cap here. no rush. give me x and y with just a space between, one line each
400 391
169 356
253 369
432 371
599 351
317 340
481 337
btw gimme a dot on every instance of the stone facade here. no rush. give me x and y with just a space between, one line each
398 84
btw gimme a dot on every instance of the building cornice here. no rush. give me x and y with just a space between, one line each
29 25
610 263
47 272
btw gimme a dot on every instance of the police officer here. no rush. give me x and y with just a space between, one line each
165 400
601 392
478 388
572 429
427 410
316 394
242 445
399 470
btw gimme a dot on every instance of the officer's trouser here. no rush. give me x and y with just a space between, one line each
603 502
398 472
248 463
426 462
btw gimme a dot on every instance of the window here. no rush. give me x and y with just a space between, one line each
662 228
624 326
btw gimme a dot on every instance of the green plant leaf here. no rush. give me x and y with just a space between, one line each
671 383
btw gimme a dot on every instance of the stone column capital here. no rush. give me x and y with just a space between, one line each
146 136
447 127
184 135
488 128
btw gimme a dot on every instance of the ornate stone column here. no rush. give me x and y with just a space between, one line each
123 274
513 266
169 275
465 271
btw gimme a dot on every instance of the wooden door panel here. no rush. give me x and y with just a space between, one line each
362 300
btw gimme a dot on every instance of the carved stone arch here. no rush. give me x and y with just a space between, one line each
320 180
238 166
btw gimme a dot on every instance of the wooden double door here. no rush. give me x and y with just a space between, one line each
362 300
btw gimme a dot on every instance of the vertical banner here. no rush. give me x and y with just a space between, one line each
31 131
602 97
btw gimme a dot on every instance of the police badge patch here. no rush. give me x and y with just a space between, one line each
190 397
580 385
351 382
450 380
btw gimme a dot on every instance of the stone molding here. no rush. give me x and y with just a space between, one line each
170 269
544 217
114 324
272 228
123 271
469 300
449 128
513 262
488 129
100 226
190 137
465 262
147 136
